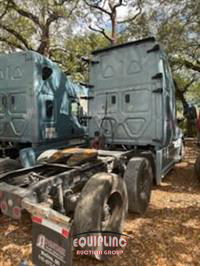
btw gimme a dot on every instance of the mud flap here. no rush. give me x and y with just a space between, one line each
51 244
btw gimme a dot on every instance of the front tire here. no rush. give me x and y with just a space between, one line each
138 177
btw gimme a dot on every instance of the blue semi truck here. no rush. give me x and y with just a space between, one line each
37 108
131 124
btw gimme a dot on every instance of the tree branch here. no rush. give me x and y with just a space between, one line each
134 17
192 66
10 43
17 35
55 15
24 13
53 50
4 12
57 48
180 95
102 31
97 7
186 63
61 2
120 3
185 88
72 10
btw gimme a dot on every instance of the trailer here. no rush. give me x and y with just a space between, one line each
134 141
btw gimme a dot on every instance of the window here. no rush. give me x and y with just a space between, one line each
75 112
46 72
49 108
64 109
127 98
74 108
113 100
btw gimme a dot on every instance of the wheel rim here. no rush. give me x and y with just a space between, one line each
110 209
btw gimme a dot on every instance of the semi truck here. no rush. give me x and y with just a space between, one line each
132 141
36 109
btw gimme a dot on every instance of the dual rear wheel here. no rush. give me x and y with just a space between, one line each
102 207
105 199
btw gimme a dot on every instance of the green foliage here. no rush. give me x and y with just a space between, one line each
59 29
31 24
193 95
76 48
176 24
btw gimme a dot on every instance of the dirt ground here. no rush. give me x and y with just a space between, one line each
168 234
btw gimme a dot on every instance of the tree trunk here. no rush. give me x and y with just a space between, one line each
189 124
45 42
114 27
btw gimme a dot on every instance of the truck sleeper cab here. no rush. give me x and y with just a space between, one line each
132 102
36 100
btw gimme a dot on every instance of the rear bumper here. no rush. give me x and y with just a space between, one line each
11 200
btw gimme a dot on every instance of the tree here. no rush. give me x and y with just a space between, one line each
48 27
79 47
176 25
104 11
31 24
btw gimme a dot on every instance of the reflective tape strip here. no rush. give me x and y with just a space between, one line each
55 227
37 219
4 207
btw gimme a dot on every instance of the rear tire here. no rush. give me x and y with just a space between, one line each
138 177
102 207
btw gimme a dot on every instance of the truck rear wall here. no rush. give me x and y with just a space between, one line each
129 92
